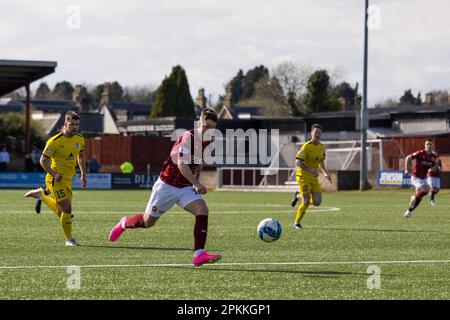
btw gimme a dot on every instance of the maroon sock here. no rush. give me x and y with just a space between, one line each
433 194
200 231
419 196
136 221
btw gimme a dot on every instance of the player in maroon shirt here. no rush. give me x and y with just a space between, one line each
179 183
426 160
433 180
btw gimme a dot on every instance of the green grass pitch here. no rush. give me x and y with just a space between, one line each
328 259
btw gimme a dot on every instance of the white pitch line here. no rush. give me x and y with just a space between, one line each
306 263
321 209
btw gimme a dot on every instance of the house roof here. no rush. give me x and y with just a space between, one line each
144 108
245 111
411 109
423 134
51 105
89 123
10 105
15 74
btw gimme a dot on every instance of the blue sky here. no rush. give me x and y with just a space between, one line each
138 42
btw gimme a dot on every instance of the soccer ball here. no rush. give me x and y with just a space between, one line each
269 230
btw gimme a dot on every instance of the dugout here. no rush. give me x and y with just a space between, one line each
15 74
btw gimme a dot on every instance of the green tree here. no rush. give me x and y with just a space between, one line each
184 104
13 124
293 104
418 99
268 95
43 91
251 78
237 86
345 91
116 93
62 91
87 100
243 86
17 94
164 105
408 98
317 98
173 97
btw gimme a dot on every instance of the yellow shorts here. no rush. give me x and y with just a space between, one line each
308 185
60 190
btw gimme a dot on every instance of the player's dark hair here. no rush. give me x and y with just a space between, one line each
429 140
71 115
209 114
316 125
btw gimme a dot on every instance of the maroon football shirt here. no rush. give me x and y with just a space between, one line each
424 161
189 147
436 173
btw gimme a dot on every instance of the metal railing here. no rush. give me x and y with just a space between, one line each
254 177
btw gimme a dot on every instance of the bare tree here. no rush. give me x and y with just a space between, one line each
387 103
140 93
292 77
269 97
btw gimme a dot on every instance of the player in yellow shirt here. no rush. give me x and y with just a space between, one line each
61 155
309 159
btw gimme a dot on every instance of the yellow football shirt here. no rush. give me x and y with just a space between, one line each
311 155
63 152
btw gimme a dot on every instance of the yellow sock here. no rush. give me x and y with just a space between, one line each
66 224
301 212
51 203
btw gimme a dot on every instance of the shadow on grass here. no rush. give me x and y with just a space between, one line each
137 248
318 274
374 230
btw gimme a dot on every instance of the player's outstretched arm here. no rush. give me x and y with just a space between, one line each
198 171
408 162
187 173
81 160
324 170
46 165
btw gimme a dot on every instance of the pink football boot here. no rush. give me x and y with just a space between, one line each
205 257
117 231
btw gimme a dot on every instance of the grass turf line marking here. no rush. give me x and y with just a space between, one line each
321 209
306 263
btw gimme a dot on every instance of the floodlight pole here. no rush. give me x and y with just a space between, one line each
27 120
364 121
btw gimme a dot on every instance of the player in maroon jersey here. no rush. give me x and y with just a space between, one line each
433 180
426 160
179 183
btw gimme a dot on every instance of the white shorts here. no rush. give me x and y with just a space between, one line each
434 182
164 196
417 182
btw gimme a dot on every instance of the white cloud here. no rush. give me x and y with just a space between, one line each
137 42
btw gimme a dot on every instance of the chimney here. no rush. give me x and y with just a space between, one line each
343 102
227 100
77 97
443 97
200 101
104 100
429 98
